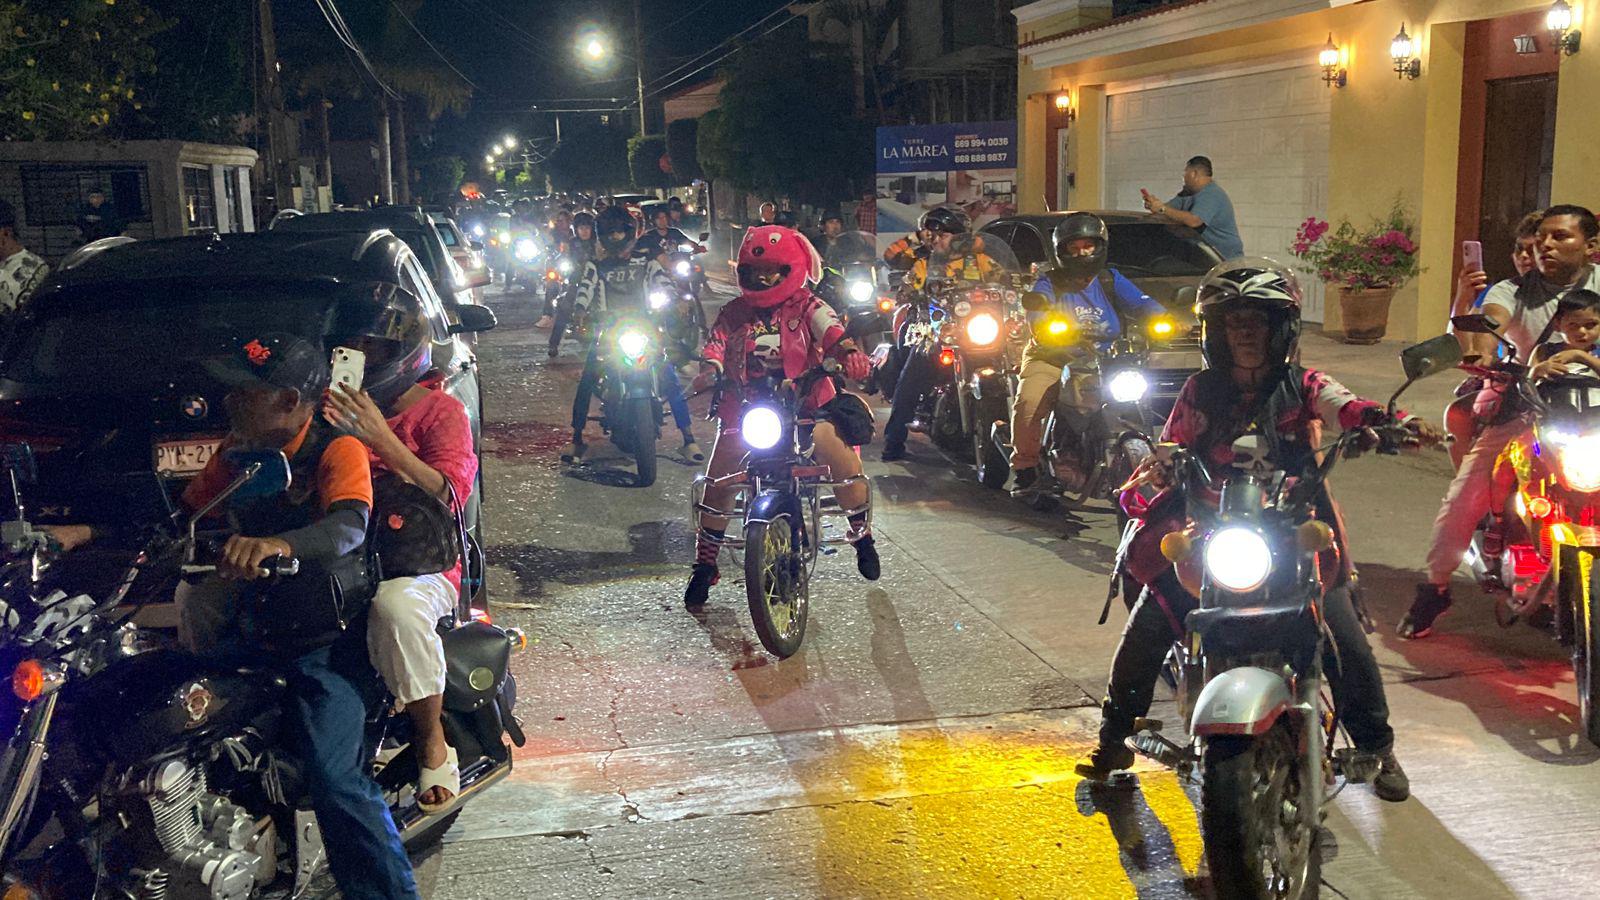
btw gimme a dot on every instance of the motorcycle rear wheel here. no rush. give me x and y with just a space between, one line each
1247 789
776 583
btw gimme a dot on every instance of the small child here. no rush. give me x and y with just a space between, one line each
1578 320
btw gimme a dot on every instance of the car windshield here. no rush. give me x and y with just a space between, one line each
1156 249
151 332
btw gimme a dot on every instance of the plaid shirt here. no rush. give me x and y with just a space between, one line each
21 273
867 216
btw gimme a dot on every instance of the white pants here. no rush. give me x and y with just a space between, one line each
402 635
1467 500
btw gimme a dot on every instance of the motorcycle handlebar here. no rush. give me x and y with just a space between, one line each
271 567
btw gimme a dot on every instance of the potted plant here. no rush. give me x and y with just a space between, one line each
1365 266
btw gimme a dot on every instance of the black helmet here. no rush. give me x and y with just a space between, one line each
1077 227
389 325
945 220
612 221
583 218
1249 282
675 203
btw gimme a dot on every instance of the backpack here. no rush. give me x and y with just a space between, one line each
413 532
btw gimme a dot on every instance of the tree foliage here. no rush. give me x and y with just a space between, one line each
590 157
783 108
683 148
442 175
645 153
202 90
70 68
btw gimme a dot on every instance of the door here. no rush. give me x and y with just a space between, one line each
1266 134
1518 154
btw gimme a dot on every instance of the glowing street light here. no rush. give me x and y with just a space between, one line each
594 48
489 158
511 141
498 149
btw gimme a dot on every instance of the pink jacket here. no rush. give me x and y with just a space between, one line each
809 331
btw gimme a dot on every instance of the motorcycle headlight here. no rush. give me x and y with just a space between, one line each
762 427
1238 559
478 230
860 291
683 268
1128 386
1578 457
633 344
982 329
659 299
505 238
564 266
526 249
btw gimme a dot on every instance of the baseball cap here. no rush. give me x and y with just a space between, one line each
273 359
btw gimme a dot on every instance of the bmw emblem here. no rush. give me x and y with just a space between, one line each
195 407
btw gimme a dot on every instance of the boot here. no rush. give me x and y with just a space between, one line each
1432 602
1023 481
1103 761
1391 783
691 450
867 558
699 590
544 322
573 452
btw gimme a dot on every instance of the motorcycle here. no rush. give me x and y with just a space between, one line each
1551 479
1249 660
688 281
525 264
780 505
632 346
136 770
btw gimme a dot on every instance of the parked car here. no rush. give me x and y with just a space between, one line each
105 379
407 223
1166 261
467 252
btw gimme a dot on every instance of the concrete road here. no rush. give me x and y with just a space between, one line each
920 745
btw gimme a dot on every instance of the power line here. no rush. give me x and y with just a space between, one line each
435 50
730 52
719 46
341 30
668 27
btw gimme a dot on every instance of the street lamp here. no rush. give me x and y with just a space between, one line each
498 149
1400 53
1330 57
1063 103
595 50
511 141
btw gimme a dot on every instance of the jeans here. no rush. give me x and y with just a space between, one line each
1468 500
1348 664
916 379
330 692
666 380
563 316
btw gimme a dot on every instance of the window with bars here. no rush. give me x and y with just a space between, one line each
199 201
53 193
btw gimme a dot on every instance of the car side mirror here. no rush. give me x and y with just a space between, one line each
472 319
704 236
476 245
1034 301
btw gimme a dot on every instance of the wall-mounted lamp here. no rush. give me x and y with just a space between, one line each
1400 49
1559 21
1333 75
1064 105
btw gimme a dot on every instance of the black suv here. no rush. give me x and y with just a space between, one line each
410 225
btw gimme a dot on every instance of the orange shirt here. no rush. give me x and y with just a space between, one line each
343 472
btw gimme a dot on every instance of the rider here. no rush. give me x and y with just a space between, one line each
617 280
578 251
559 234
276 382
663 238
1525 308
1250 312
1099 299
904 253
776 325
951 247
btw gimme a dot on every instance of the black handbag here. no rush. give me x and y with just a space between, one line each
413 532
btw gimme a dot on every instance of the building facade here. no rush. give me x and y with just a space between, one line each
1482 121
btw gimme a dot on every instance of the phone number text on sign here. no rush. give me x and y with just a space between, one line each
968 158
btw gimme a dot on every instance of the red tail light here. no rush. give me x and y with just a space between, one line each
947 356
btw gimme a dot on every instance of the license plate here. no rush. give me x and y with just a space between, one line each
183 457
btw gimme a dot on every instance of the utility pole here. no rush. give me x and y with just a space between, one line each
278 156
638 58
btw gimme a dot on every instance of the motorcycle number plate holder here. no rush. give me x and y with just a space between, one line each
183 458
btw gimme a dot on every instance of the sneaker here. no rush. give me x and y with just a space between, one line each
894 452
1390 783
555 352
573 452
692 452
1104 761
867 558
1024 480
1431 603
544 322
704 576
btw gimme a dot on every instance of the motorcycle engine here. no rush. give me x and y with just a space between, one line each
208 846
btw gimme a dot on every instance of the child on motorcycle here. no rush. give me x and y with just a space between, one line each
778 326
1250 312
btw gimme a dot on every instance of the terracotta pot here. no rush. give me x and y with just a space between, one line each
1366 314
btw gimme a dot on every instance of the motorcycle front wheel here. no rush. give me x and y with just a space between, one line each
644 427
1258 842
776 583
1586 655
987 456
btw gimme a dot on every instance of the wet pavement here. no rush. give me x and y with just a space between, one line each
921 743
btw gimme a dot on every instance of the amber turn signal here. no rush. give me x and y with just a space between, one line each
1177 546
1315 536
27 680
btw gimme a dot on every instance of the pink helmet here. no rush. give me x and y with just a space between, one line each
775 263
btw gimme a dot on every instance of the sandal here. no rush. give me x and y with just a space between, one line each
447 776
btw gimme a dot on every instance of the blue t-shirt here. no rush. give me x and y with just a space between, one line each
1212 205
1100 316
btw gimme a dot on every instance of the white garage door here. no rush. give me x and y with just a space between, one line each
1266 134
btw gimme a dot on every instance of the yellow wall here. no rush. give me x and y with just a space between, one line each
1389 137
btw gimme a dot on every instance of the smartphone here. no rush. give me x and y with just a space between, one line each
348 366
1471 256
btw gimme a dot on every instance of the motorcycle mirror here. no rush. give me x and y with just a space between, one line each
1185 296
1432 356
19 463
476 245
1034 301
704 236
1476 323
264 473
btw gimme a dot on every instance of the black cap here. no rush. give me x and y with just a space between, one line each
273 359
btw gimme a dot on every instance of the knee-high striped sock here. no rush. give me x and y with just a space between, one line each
707 543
